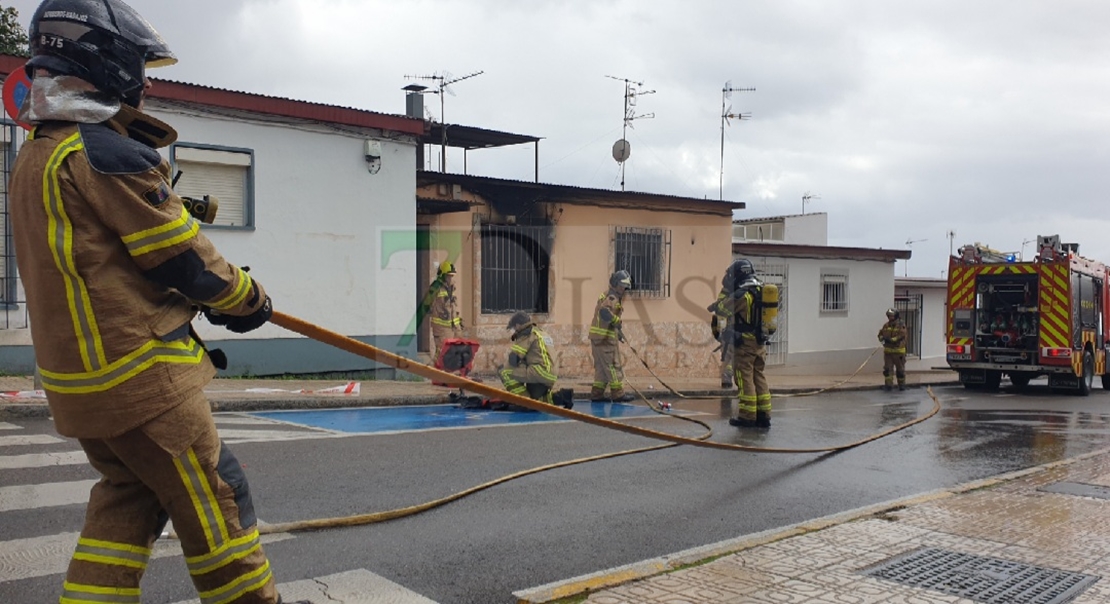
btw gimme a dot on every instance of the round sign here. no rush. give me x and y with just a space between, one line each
16 88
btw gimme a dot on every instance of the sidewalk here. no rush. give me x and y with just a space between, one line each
1040 536
233 394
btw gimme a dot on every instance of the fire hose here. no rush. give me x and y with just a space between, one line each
384 357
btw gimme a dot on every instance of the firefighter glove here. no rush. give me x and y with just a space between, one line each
514 358
244 323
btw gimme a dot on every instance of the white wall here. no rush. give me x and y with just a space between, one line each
933 345
319 222
807 229
833 342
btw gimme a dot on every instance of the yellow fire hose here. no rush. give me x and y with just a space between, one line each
398 362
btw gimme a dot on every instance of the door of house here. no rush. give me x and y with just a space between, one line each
777 346
909 306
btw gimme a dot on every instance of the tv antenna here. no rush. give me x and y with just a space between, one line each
951 235
443 83
1023 244
909 244
806 198
726 115
632 91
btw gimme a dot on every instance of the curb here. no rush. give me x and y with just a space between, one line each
613 577
21 410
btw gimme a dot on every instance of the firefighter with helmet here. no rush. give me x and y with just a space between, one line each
114 268
741 311
446 321
605 335
893 337
531 368
720 326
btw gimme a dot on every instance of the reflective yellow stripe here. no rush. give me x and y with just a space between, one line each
545 370
60 234
163 236
241 585
236 297
187 352
204 502
77 593
109 553
233 550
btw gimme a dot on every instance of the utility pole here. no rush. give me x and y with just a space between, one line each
622 149
806 198
443 81
726 114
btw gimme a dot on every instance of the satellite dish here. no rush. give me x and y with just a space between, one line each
621 150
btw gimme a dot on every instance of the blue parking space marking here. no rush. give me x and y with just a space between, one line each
371 420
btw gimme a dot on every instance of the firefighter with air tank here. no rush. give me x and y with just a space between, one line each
893 336
605 335
750 313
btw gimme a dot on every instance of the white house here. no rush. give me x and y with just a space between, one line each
319 201
832 299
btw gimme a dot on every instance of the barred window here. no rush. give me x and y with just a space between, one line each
515 264
645 254
834 291
222 172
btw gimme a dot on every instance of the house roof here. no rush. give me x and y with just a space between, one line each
530 192
788 250
767 218
921 282
170 90
469 137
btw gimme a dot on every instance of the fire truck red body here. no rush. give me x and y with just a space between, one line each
1045 317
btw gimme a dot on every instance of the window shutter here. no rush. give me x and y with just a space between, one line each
226 182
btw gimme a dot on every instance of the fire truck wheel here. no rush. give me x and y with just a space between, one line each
993 380
1020 380
1087 380
1106 381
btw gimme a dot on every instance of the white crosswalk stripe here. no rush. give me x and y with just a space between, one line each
49 555
351 587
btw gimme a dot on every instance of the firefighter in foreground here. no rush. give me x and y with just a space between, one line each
531 368
446 321
893 336
750 311
720 326
114 268
605 335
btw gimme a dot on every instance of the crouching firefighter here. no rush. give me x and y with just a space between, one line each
531 368
893 336
114 267
750 311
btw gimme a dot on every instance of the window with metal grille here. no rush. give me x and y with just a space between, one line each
645 254
9 279
834 291
222 172
515 263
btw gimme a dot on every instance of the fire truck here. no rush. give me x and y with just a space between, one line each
1026 319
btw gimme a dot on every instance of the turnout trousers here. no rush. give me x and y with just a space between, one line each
607 370
174 467
749 360
894 362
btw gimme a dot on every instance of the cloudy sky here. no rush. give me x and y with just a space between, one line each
908 120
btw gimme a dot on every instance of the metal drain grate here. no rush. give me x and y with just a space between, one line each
980 578
1078 488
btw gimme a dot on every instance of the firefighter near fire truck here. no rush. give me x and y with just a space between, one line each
1026 319
893 337
750 312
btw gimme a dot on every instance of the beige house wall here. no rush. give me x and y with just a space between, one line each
670 333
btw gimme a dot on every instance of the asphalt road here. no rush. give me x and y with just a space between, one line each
590 517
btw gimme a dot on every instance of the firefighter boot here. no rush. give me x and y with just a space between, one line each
740 422
763 419
619 396
597 395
